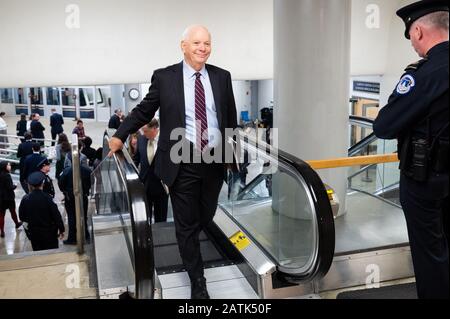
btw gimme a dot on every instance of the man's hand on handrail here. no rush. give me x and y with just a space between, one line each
115 145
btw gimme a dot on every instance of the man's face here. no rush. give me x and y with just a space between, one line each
80 125
45 169
197 48
416 37
150 133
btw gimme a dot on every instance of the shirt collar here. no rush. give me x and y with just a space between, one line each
190 72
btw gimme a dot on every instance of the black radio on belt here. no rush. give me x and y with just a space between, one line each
419 160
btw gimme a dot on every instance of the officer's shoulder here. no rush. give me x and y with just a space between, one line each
416 65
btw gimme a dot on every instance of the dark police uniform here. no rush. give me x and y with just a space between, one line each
42 216
48 183
417 114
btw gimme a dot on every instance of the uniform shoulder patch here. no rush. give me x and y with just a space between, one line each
407 82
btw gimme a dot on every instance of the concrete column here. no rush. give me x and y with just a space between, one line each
311 83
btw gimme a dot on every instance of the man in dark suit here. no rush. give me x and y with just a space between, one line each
198 98
157 198
56 124
115 120
37 129
32 161
25 148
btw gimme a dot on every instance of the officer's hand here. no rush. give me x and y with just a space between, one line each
61 236
115 144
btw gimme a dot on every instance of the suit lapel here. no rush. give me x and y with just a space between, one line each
215 85
179 92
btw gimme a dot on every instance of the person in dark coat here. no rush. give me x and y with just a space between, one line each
88 150
417 115
157 198
56 124
25 148
44 167
7 197
37 129
65 183
31 162
115 120
40 215
21 126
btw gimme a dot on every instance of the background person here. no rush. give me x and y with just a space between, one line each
42 220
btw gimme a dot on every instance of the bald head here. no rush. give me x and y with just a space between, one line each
192 30
196 46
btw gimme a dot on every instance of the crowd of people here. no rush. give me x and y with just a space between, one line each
37 211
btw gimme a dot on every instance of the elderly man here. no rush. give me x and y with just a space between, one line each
197 97
417 114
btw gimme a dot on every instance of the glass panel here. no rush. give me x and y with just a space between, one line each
7 96
53 96
86 103
104 96
21 96
272 203
68 102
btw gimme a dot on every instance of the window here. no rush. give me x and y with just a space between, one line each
20 95
36 96
68 97
53 96
6 96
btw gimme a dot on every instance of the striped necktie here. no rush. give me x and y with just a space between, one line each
201 120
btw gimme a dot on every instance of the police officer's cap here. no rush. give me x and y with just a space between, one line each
43 163
36 179
416 10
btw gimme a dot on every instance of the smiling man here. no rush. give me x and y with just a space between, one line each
198 98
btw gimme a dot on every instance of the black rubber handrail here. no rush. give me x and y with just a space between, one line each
144 264
323 210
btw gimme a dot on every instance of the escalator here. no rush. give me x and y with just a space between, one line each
271 237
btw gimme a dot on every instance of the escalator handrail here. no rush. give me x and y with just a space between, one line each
322 206
144 265
356 149
361 121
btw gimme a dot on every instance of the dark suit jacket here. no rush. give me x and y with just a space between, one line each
37 129
147 171
166 93
24 149
56 123
114 122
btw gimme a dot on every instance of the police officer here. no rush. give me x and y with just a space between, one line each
44 167
40 215
417 114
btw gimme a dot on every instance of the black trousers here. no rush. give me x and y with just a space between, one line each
69 204
158 205
44 243
194 196
427 222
